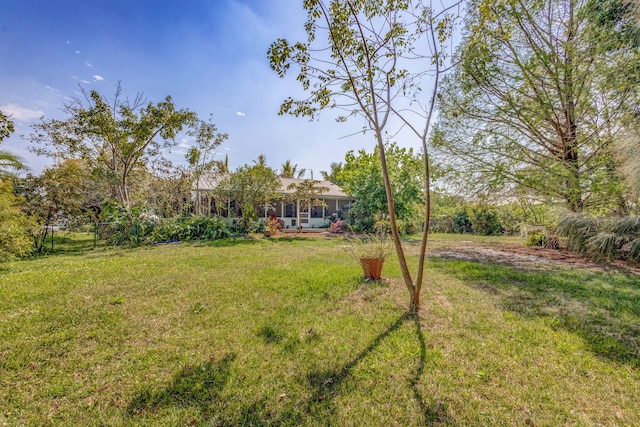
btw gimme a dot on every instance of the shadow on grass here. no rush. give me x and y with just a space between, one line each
603 308
325 384
433 413
196 386
201 387
228 242
296 238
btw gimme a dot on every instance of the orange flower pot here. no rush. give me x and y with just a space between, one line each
372 267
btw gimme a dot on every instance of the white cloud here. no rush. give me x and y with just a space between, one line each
98 78
77 52
241 114
21 114
85 82
88 64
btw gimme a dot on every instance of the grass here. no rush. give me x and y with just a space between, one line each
283 332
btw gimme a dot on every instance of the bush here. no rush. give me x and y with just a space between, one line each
577 229
536 238
190 228
124 227
274 225
441 224
461 222
337 227
486 221
602 239
14 225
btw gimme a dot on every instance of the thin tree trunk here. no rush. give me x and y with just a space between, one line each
404 269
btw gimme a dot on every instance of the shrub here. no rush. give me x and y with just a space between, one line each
461 222
441 224
274 224
133 227
536 238
603 246
14 225
602 239
552 242
337 227
486 221
190 228
577 229
632 249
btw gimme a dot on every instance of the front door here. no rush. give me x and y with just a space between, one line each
304 217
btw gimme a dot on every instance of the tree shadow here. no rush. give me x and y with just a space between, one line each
602 308
325 385
228 242
196 386
432 412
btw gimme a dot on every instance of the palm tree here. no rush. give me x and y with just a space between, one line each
222 166
9 163
289 171
261 160
332 175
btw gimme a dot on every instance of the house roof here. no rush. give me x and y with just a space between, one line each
334 190
209 181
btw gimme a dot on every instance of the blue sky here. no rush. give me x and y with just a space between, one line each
210 56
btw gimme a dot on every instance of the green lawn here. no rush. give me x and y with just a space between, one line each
283 332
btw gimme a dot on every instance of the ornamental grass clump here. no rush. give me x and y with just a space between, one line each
577 229
368 246
604 240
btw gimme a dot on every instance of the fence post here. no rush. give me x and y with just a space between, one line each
95 236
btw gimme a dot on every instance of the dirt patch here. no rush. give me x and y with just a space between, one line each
519 255
529 257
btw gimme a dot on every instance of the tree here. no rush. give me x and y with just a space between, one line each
334 172
14 225
306 195
64 193
6 126
538 98
14 239
200 156
291 171
114 134
222 166
261 160
360 56
8 161
162 189
618 22
362 178
251 188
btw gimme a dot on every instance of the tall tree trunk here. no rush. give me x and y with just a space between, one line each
404 268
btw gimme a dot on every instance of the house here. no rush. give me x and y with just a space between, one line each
293 213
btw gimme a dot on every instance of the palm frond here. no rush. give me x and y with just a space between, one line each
604 246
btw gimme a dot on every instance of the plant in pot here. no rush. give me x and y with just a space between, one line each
369 251
273 226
